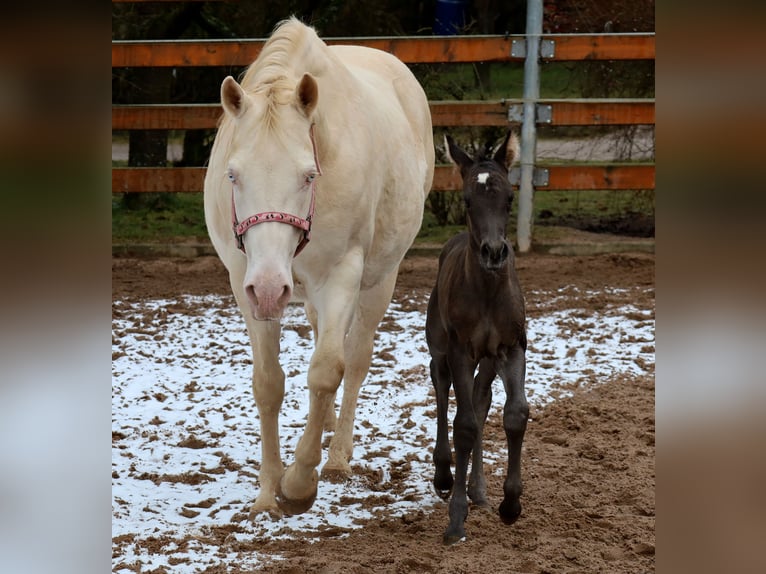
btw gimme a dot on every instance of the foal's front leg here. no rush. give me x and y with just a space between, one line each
440 377
464 432
482 399
515 415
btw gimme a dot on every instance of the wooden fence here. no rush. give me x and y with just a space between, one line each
411 50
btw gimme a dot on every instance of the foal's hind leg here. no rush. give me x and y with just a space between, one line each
515 415
358 347
482 399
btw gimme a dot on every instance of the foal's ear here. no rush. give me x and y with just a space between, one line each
508 152
457 155
307 94
233 97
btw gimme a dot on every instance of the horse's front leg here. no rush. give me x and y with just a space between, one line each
358 350
335 303
268 390
515 414
464 432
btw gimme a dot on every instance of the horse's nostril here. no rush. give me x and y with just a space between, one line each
284 297
504 252
250 292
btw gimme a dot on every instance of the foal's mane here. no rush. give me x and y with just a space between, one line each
290 51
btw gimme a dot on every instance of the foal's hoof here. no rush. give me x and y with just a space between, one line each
509 511
450 537
443 485
443 494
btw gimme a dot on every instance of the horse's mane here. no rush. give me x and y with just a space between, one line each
284 57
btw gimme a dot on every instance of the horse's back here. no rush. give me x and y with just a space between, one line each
392 81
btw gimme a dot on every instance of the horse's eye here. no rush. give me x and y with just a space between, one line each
231 175
310 177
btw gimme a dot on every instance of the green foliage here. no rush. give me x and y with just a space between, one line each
158 217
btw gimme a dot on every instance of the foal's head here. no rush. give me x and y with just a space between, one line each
488 196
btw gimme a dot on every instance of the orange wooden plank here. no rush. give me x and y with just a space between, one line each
609 112
446 178
443 113
166 117
602 46
150 179
606 177
469 113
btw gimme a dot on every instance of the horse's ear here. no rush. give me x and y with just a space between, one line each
508 152
457 155
307 94
233 97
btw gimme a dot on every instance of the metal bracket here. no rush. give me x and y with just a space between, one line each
543 113
540 176
519 49
547 49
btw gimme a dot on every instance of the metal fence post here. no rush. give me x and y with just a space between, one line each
531 94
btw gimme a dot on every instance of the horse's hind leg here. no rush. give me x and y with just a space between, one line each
482 399
515 415
358 352
329 419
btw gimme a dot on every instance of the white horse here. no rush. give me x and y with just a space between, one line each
332 144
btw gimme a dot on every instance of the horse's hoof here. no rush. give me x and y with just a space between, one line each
293 506
272 510
336 473
509 511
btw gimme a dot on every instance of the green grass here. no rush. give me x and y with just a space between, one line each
158 217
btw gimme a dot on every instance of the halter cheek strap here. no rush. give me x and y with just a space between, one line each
278 216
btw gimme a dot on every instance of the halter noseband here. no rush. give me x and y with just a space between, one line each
280 217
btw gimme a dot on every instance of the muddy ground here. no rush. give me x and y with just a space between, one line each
588 463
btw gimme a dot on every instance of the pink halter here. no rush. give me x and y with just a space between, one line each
280 217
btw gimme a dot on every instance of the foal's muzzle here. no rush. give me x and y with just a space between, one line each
494 254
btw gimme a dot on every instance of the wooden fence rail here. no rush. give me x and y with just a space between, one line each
411 50
443 113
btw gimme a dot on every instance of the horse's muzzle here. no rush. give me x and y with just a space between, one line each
268 299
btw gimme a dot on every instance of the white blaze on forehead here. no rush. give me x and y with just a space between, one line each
482 177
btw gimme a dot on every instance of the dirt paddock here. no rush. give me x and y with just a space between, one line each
588 462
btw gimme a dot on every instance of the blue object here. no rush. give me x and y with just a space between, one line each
450 17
